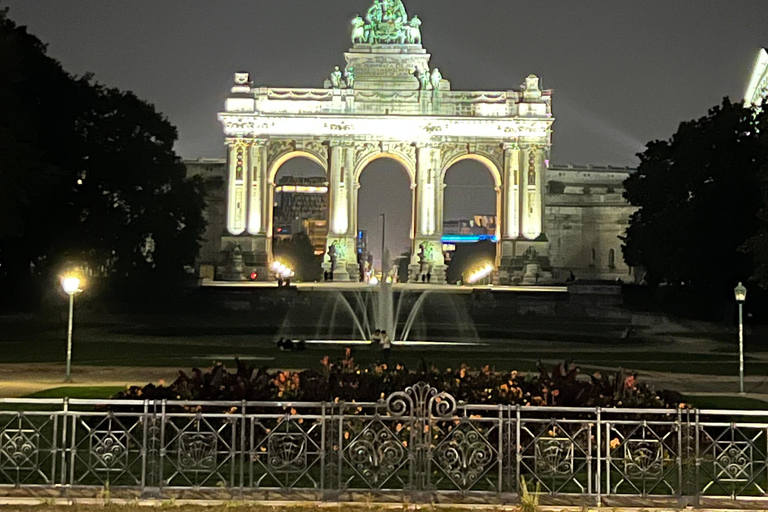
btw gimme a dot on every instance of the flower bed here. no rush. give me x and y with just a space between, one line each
344 380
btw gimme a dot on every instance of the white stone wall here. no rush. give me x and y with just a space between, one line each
585 215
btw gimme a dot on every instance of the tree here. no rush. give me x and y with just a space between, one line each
697 195
299 253
88 178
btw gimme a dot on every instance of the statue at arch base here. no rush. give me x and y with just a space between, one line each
245 260
528 267
338 265
427 264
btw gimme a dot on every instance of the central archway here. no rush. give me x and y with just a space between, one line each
385 185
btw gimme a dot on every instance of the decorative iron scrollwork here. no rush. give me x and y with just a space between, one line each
197 451
376 454
19 449
554 456
464 455
109 450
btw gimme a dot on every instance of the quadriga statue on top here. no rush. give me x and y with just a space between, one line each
386 22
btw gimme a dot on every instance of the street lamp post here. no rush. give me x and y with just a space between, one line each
740 292
71 285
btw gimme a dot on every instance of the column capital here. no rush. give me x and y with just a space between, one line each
259 142
510 146
341 143
238 141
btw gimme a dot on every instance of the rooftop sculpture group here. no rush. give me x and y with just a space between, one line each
386 22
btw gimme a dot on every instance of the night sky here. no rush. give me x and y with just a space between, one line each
623 72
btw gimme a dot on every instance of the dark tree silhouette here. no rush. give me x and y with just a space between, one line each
299 253
88 177
697 195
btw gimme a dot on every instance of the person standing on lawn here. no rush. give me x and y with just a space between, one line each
375 343
386 347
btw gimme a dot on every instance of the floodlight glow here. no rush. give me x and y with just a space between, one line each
479 274
71 284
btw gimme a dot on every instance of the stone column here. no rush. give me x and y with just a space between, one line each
342 215
533 175
510 205
259 210
246 243
236 197
427 251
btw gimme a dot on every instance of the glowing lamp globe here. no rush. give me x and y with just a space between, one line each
740 292
71 284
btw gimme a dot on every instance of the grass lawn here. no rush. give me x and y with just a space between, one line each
726 402
84 392
503 355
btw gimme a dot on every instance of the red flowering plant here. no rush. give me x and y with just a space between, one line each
345 381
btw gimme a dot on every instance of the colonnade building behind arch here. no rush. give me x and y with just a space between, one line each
551 222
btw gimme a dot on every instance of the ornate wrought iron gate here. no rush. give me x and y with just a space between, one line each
419 441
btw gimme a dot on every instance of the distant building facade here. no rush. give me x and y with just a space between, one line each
301 205
585 214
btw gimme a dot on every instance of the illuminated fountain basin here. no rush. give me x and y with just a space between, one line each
410 314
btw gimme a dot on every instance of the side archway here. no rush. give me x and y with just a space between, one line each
308 196
494 169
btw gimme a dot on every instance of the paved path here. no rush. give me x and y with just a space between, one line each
17 380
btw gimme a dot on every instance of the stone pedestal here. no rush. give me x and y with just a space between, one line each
436 273
245 255
524 262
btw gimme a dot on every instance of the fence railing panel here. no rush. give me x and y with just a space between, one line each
418 441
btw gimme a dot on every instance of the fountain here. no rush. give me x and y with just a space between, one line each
376 307
409 313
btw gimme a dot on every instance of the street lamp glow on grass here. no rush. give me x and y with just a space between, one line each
71 285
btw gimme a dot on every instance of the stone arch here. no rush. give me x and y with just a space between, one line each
276 162
408 162
279 153
494 168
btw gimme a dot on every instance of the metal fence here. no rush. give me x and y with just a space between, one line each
417 443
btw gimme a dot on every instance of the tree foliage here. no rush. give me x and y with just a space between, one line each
89 177
697 195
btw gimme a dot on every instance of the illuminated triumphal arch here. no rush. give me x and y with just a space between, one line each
387 102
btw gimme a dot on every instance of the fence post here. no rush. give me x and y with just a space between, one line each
599 477
501 450
144 445
243 452
161 452
518 451
323 448
64 449
697 477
